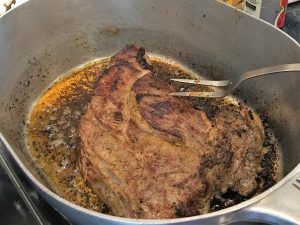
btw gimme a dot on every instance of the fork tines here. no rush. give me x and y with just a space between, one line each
213 94
215 83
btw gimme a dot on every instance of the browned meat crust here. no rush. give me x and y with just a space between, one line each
150 155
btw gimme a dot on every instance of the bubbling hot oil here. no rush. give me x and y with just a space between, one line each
54 143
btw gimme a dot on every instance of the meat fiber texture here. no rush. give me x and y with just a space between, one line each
149 155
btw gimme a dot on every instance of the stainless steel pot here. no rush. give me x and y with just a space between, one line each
41 40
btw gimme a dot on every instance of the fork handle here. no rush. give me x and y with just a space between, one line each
294 67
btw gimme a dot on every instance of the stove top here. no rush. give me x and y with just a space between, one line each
14 211
13 208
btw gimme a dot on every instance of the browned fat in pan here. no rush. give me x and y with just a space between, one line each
55 145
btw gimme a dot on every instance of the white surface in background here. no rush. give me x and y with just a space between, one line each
12 3
292 1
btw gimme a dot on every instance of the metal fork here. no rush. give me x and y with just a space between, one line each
230 85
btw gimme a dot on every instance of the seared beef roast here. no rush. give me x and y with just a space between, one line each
149 155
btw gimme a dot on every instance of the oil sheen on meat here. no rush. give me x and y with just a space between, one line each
113 140
150 155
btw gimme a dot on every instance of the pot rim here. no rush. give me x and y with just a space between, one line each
111 218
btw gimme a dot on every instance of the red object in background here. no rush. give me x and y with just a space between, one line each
281 19
281 16
283 3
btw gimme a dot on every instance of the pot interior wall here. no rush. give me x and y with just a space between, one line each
42 40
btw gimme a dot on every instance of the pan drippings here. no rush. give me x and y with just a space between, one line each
55 145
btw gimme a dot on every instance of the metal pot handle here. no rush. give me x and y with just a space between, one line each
282 206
